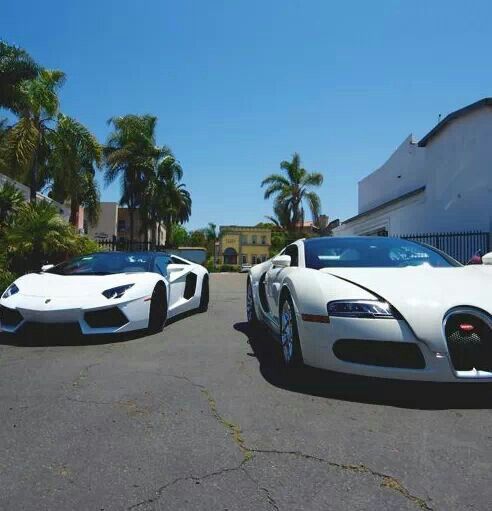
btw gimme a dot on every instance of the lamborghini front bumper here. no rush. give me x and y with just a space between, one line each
20 310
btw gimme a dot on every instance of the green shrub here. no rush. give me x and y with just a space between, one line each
6 278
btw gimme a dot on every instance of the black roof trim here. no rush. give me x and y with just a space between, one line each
451 117
407 195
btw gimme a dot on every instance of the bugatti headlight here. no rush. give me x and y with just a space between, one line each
11 290
116 292
367 309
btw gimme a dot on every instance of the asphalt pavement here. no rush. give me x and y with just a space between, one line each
202 417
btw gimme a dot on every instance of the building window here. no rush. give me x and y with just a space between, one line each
244 238
253 260
263 240
263 258
230 256
244 259
121 225
254 239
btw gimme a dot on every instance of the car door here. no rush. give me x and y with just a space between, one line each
183 283
274 278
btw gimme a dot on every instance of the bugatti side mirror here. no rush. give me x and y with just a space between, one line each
281 261
47 267
476 258
487 258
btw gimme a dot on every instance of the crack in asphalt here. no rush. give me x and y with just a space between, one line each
387 481
198 479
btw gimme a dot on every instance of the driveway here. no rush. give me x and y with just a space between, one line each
202 417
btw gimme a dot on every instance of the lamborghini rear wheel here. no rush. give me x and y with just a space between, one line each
158 309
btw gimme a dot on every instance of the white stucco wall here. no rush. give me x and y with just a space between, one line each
63 210
455 167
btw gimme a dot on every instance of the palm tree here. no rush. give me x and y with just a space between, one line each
38 232
291 191
27 141
10 202
16 65
75 155
129 155
176 200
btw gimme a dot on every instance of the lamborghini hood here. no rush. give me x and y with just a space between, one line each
69 286
423 294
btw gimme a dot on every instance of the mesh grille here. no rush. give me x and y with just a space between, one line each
469 340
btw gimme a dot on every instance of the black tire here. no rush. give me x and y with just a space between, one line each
250 306
205 295
158 309
291 351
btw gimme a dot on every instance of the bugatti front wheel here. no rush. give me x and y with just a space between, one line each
289 335
158 309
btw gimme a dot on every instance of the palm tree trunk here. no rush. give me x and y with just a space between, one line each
131 213
74 213
169 237
34 178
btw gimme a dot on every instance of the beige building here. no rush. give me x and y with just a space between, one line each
114 223
244 245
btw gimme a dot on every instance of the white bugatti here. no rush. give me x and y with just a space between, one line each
382 307
106 293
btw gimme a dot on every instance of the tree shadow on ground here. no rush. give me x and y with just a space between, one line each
321 383
70 335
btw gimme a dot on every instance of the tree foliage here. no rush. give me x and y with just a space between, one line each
291 192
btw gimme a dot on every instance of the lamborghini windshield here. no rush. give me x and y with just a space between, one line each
371 252
105 263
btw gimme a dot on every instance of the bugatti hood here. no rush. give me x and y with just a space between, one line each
424 294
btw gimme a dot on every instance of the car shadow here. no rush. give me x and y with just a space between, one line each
68 335
328 384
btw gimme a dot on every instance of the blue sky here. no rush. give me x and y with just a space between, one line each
239 86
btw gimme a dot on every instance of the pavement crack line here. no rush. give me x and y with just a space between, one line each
386 481
198 479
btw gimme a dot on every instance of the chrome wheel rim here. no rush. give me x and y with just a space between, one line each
287 337
249 303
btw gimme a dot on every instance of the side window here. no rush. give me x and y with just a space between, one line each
161 263
177 260
293 252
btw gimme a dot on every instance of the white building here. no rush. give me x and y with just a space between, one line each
63 209
441 183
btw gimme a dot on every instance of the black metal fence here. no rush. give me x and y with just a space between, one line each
129 246
459 245
195 254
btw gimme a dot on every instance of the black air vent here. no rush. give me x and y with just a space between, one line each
404 355
106 318
10 317
190 286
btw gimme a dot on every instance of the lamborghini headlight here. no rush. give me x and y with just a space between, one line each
116 292
11 290
368 309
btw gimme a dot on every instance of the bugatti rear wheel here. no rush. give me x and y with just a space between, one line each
250 306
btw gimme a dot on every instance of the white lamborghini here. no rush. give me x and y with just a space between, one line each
381 307
106 293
